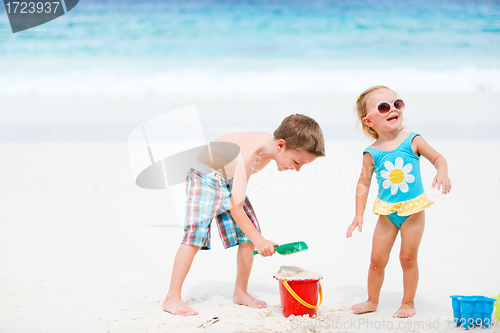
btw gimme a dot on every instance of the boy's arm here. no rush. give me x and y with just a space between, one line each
362 190
238 195
441 179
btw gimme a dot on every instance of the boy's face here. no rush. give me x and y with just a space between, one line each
290 159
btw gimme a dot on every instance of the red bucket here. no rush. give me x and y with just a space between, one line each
300 297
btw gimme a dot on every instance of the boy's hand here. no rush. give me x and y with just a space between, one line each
356 223
442 180
266 248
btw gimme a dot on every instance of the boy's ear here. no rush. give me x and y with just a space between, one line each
281 144
367 122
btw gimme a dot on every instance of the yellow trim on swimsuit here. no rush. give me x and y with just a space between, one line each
404 208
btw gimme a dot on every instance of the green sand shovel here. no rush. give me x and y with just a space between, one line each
289 248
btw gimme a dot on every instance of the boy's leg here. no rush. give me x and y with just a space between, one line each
231 235
173 302
201 204
411 235
244 267
383 239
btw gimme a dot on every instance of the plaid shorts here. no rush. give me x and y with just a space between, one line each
208 197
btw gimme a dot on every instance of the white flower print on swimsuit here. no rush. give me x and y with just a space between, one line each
397 176
400 184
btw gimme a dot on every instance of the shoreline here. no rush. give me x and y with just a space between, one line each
97 118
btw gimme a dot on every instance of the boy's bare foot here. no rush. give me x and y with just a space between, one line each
364 307
245 299
405 311
178 307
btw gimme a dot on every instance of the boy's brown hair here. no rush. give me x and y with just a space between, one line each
361 110
301 132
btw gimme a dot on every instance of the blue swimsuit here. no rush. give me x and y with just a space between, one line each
400 189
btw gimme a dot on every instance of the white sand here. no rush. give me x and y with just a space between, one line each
296 273
84 250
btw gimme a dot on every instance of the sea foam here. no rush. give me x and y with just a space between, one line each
210 81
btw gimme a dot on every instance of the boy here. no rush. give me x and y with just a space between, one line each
216 188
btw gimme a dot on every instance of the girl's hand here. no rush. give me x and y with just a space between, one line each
356 223
442 180
266 248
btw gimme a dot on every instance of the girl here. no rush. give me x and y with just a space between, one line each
401 200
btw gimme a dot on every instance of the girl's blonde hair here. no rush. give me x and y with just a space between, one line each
361 109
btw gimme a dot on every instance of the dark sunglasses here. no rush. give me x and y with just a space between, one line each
384 107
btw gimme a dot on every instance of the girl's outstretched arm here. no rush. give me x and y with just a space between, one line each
421 147
362 190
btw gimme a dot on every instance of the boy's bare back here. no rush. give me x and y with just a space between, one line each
252 149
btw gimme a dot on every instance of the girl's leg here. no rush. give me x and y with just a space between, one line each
411 235
244 262
383 239
173 302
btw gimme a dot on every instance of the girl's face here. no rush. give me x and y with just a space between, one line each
382 123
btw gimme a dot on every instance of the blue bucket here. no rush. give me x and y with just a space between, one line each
472 311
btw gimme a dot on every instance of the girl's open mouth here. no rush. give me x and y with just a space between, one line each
393 117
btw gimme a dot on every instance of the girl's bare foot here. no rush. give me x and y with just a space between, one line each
405 311
178 307
244 298
364 307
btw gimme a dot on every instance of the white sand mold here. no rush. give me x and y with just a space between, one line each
296 273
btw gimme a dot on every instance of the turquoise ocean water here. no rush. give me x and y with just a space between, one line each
289 46
409 32
448 41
